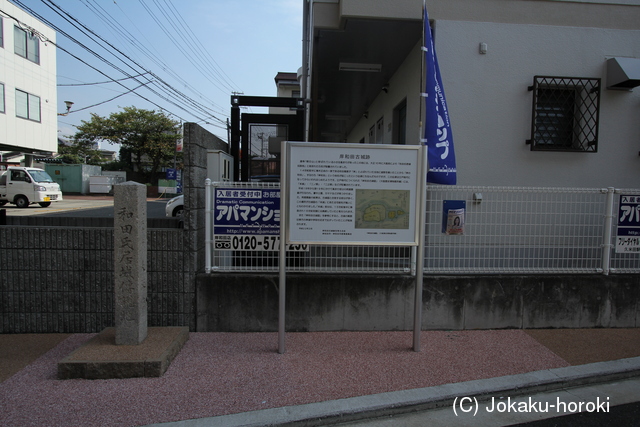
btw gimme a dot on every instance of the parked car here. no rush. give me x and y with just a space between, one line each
175 206
23 186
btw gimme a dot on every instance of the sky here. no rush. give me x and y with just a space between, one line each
192 54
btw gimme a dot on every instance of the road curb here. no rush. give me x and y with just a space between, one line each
407 401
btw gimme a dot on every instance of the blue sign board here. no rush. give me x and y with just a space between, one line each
246 211
248 219
171 173
628 238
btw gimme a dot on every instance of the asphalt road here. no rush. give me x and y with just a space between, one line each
82 208
623 415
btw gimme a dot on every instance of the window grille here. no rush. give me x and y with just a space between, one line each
565 114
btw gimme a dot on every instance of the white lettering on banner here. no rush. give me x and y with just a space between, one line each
247 213
442 135
629 212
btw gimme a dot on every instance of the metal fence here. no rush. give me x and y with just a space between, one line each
506 230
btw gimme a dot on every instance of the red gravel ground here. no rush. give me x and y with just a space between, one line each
223 373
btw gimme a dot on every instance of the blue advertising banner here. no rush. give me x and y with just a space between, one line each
437 126
248 219
628 238
247 211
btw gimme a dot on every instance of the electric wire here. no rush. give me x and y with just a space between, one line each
195 57
19 3
98 83
196 39
75 110
165 87
65 15
44 39
114 24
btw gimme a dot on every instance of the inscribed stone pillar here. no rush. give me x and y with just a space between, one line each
130 259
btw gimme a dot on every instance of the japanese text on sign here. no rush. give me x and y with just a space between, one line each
347 193
248 220
628 238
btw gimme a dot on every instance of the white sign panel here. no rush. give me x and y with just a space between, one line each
353 193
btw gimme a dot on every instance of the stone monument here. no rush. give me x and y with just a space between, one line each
130 262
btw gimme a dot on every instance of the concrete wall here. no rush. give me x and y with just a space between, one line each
197 141
337 303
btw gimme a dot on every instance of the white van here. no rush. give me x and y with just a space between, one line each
24 186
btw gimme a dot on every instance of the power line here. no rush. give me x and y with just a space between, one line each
45 39
195 56
114 23
65 15
104 102
99 83
196 39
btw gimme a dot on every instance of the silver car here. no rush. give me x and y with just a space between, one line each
175 206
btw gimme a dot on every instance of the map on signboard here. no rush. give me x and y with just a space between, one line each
383 209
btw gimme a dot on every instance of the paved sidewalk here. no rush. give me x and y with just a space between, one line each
240 379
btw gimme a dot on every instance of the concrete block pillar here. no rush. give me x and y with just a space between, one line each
130 259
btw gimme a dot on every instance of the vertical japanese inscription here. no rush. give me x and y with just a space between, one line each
130 259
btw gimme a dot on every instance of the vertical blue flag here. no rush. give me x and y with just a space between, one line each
437 126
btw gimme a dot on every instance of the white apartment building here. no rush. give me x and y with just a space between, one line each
28 97
540 93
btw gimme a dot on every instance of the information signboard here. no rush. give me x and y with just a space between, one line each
628 238
353 193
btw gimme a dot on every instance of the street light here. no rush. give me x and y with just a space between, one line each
69 104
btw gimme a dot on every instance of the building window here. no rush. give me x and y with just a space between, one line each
2 110
27 106
565 114
26 44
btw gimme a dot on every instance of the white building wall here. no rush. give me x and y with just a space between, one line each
403 85
36 79
491 108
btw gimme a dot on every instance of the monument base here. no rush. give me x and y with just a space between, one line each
101 358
